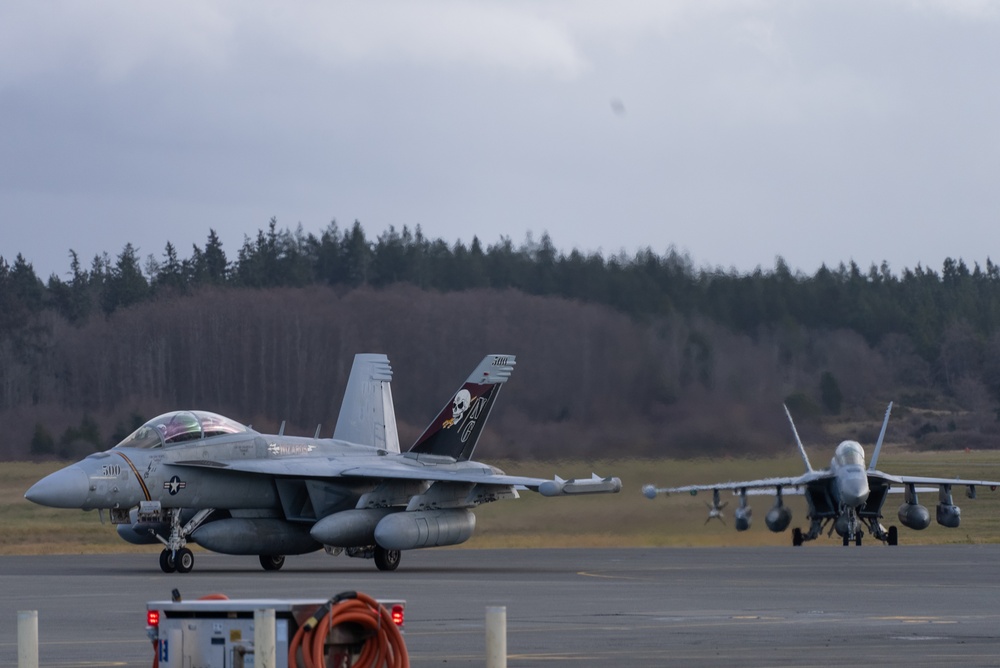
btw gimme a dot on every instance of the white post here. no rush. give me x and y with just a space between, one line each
496 637
264 646
27 639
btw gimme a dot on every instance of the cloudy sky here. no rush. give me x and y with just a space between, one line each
732 130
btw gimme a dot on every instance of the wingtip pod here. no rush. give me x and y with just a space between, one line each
494 369
593 485
649 491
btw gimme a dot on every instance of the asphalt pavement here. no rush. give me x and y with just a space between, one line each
771 606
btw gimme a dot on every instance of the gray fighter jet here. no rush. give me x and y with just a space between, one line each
847 497
194 476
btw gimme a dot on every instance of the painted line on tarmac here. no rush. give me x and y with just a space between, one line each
910 619
585 574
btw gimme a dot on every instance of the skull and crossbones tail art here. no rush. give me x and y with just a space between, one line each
460 404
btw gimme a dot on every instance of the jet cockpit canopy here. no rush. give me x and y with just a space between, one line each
849 453
180 426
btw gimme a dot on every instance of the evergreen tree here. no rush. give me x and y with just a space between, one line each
330 267
215 267
170 274
42 442
390 257
87 434
80 303
296 257
25 285
125 283
357 256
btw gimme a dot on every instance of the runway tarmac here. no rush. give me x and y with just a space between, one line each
810 606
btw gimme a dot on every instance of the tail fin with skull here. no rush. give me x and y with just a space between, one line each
455 431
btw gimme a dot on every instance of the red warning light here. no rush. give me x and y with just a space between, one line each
152 618
397 615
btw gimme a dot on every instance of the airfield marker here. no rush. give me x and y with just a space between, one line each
496 636
27 639
265 650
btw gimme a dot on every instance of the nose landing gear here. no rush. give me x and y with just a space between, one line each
175 556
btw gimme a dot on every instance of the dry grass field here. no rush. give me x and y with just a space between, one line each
625 519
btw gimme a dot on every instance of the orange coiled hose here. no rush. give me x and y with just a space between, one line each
383 649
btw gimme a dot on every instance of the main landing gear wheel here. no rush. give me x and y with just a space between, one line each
272 562
847 539
184 560
893 537
181 561
167 561
386 560
797 537
857 538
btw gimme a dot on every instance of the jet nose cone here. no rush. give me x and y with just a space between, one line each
66 488
855 500
854 493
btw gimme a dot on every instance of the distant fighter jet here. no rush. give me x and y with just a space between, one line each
198 477
846 495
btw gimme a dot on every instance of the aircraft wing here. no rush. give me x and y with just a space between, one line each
920 480
923 480
346 467
769 484
486 476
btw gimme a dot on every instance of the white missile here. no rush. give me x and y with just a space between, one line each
593 485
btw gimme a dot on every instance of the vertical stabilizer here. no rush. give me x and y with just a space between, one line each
881 437
798 441
367 416
456 430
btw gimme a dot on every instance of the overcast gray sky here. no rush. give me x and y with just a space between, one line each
735 131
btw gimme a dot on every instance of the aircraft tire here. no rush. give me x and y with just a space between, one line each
893 537
386 560
847 540
272 562
857 538
797 537
184 560
167 562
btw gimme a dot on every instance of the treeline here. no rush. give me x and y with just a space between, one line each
667 348
920 303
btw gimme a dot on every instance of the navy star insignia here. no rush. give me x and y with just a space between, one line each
174 485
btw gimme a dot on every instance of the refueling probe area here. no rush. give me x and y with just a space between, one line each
350 629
